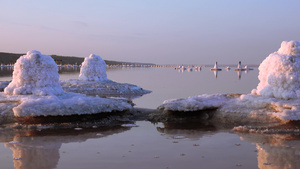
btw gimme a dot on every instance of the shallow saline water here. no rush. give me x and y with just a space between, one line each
153 146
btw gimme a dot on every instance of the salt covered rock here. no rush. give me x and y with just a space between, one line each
93 80
36 74
279 73
93 69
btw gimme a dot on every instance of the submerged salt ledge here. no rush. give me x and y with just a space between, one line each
104 88
276 99
242 109
35 91
194 103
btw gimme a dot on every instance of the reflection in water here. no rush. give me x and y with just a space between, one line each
191 130
216 74
216 69
6 71
276 151
37 152
205 144
239 73
68 68
40 149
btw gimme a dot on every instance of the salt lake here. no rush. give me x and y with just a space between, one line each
148 145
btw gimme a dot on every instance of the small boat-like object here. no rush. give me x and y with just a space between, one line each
216 68
239 68
228 68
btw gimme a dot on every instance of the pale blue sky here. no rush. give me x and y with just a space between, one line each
155 31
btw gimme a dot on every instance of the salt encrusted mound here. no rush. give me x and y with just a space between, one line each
93 80
276 99
35 74
279 73
93 69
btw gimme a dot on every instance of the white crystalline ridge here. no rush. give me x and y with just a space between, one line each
67 104
93 69
35 74
279 73
194 103
246 108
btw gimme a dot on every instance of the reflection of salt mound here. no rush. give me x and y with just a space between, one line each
93 81
279 73
93 69
41 150
275 151
35 74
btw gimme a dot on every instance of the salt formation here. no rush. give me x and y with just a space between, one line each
239 67
93 69
279 73
93 80
216 67
276 99
35 74
194 103
35 91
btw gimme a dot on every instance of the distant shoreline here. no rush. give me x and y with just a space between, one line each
11 58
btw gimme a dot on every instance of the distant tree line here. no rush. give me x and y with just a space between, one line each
11 58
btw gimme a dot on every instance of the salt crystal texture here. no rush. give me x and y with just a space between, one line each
93 69
279 73
35 74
